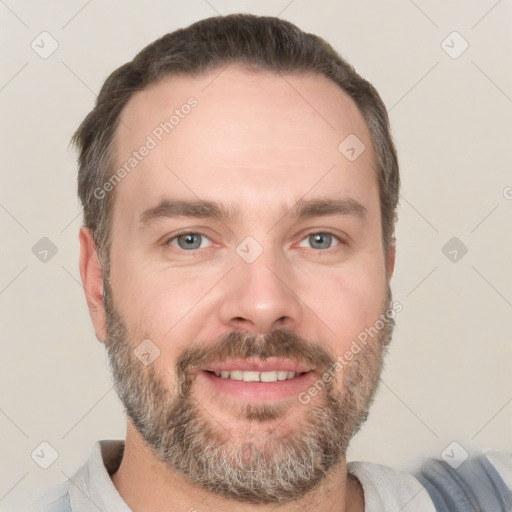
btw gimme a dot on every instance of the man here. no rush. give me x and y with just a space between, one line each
239 184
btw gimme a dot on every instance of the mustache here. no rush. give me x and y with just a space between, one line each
281 343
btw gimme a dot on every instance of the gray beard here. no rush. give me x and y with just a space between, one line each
276 467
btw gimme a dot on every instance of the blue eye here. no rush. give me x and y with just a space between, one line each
321 240
188 241
191 241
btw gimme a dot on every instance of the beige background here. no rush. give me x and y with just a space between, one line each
448 373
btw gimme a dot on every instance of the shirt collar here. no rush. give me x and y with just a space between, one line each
91 489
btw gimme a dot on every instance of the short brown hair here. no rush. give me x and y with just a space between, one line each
262 43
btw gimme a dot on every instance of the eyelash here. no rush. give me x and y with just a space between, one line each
324 232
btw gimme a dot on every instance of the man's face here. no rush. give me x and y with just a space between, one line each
277 281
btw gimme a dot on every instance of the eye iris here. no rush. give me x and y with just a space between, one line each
190 241
322 239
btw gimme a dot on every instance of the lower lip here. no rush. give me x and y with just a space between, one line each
259 391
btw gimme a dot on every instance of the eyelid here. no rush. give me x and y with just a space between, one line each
324 232
168 240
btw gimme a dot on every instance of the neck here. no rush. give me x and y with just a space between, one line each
146 484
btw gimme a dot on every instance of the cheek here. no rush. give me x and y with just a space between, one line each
168 307
347 303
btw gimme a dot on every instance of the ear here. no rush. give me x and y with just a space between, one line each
92 281
391 257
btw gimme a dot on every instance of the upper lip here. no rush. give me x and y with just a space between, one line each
257 365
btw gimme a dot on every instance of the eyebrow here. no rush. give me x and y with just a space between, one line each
303 209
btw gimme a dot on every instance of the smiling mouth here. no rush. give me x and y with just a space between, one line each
255 376
256 380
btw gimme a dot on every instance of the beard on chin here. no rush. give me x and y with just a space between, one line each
279 464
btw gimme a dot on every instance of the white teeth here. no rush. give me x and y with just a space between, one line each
268 376
252 376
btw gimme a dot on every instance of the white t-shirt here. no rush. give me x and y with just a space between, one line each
388 490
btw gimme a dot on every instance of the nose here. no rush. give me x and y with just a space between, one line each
260 296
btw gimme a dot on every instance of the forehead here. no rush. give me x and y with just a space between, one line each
257 138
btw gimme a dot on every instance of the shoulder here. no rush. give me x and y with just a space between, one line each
53 499
386 489
479 483
502 464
